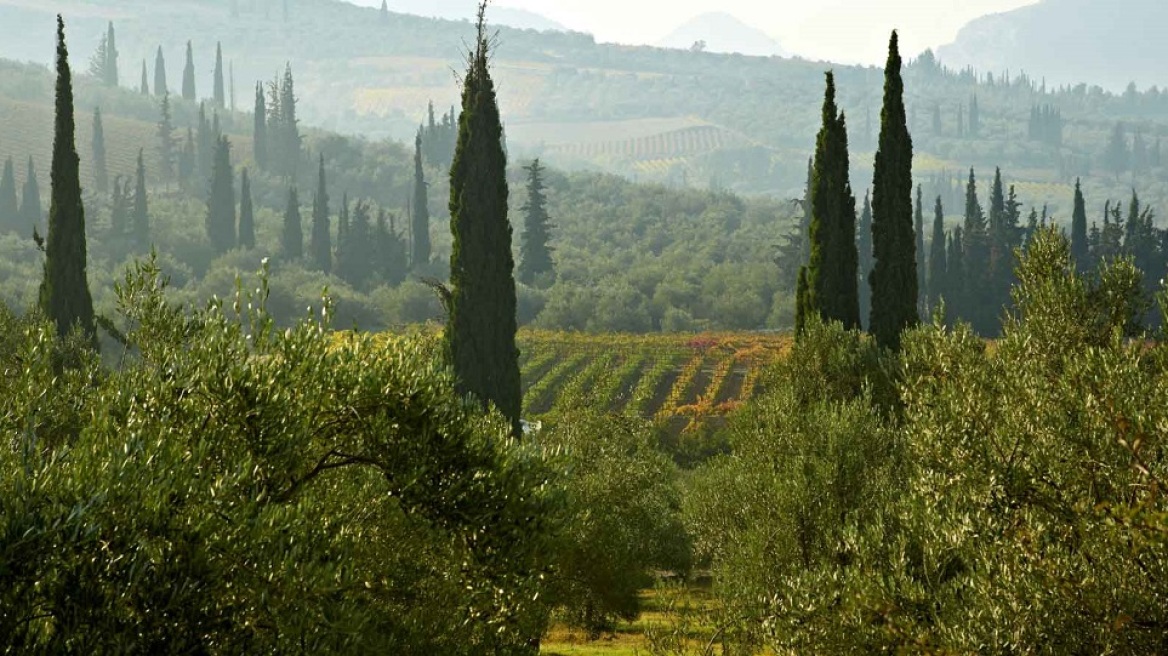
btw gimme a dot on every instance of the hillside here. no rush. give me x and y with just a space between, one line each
722 33
1104 42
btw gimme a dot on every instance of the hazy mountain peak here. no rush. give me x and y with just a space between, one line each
465 10
724 33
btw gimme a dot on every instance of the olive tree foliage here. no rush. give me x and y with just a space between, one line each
238 488
1010 498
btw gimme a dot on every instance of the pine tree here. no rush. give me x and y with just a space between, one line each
864 252
919 230
480 334
110 77
219 96
188 84
420 256
894 277
832 271
260 131
292 239
937 265
160 88
31 214
99 60
322 248
1080 250
144 88
246 213
221 229
166 157
64 292
100 173
9 205
535 255
141 217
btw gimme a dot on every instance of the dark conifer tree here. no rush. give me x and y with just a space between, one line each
480 334
978 297
894 277
120 201
144 88
1080 249
166 145
219 96
360 259
864 248
391 250
205 144
100 173
260 131
31 214
801 302
289 126
141 218
954 289
292 239
64 291
420 207
535 254
937 265
221 228
246 213
832 271
9 205
188 82
160 88
919 249
322 247
110 79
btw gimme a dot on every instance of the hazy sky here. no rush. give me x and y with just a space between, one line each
846 31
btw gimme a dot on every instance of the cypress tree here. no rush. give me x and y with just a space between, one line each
246 213
480 334
322 248
260 129
166 156
801 292
937 265
894 277
831 273
1080 250
119 208
219 96
141 217
188 83
360 248
535 262
421 211
9 206
289 126
205 144
144 88
391 250
111 57
160 74
31 216
864 248
978 296
919 229
954 290
221 229
100 173
292 239
186 161
64 291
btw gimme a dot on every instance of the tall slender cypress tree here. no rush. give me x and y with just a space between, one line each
480 334
100 173
802 290
188 82
292 239
420 256
864 248
31 214
937 264
144 88
9 205
894 277
535 255
219 96
64 292
246 213
221 229
166 155
289 126
978 296
260 129
322 247
955 285
160 88
111 57
919 249
831 273
141 217
1080 250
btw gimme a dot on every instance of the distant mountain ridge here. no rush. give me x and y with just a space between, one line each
722 33
462 9
1105 42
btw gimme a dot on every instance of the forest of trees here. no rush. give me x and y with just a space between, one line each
962 449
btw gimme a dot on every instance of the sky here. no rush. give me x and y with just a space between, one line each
843 31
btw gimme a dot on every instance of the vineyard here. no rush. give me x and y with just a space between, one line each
680 382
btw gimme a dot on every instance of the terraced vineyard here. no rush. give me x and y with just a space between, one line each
680 382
